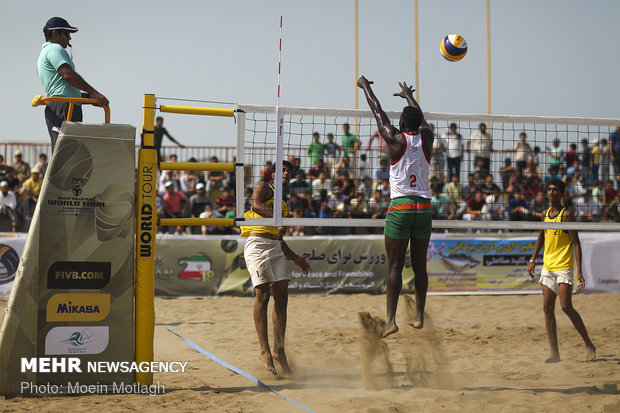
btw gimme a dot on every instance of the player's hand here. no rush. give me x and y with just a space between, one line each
582 282
362 81
303 264
530 269
405 91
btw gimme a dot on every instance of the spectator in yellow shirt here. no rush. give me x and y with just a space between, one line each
30 191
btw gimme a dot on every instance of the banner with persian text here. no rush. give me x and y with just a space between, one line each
201 266
456 265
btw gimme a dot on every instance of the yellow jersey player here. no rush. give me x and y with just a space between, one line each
562 248
265 255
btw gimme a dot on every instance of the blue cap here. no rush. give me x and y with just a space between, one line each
58 23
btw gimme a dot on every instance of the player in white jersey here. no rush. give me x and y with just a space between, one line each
409 213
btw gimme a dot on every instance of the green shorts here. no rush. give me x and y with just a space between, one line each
409 217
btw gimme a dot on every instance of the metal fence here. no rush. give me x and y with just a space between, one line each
32 150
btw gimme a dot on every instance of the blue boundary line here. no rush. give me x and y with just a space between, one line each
235 369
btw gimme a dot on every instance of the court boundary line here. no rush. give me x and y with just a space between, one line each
235 369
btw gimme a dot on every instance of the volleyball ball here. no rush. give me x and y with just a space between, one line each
453 47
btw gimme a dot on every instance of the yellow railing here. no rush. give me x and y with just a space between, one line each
42 100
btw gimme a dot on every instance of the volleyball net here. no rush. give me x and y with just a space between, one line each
488 172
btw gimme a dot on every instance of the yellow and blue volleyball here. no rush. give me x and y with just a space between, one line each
453 47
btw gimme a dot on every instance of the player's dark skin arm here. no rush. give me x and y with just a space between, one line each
540 241
261 192
389 133
407 93
574 236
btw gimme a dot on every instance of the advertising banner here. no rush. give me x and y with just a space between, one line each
196 265
73 291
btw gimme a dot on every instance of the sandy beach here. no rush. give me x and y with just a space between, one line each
476 353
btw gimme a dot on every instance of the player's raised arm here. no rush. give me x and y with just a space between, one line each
386 129
406 92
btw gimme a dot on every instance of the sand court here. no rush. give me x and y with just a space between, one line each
475 353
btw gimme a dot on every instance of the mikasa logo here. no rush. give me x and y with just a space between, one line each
72 309
78 307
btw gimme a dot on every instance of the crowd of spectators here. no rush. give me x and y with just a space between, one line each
339 183
20 185
196 194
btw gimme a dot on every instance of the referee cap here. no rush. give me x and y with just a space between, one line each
58 23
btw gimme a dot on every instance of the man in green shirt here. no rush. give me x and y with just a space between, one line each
57 73
316 150
350 142
555 156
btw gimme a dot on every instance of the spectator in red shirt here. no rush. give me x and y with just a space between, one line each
473 211
175 204
610 192
571 156
225 202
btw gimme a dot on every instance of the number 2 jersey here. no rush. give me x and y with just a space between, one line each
409 174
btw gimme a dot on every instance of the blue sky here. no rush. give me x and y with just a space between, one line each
548 57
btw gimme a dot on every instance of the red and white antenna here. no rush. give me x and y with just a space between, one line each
277 206
279 61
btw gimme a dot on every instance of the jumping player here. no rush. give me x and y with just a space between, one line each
557 274
409 213
265 253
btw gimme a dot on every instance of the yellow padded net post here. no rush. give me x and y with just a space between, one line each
146 227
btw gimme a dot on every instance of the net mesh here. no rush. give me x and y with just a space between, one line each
487 171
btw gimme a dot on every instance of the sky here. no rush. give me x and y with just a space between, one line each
553 57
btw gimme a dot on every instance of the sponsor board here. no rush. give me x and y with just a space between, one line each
78 307
77 340
79 275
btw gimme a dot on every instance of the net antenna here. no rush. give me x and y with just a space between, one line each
277 207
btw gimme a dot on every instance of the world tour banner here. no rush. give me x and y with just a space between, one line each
73 291
199 266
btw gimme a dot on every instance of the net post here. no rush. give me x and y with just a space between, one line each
277 206
240 170
145 242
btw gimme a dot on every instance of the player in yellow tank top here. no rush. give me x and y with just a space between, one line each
557 273
263 229
264 254
558 253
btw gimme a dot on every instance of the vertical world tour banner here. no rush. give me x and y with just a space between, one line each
72 295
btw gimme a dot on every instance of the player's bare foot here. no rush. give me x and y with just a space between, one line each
590 353
268 362
281 358
390 329
417 319
553 359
